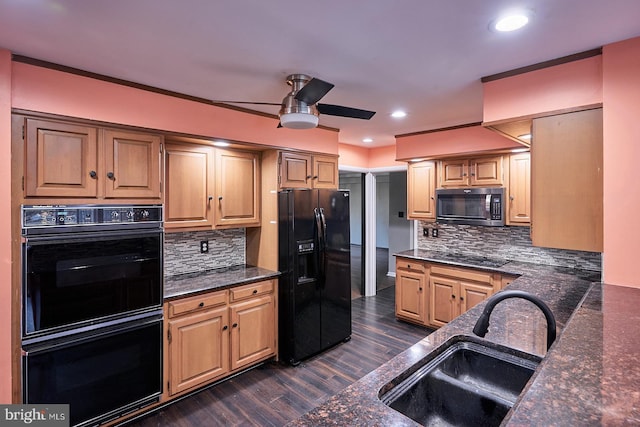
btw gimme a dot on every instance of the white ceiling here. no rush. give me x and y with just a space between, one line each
424 56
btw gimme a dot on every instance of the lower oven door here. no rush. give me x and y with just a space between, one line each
101 375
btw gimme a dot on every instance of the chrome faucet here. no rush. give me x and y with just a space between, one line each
482 325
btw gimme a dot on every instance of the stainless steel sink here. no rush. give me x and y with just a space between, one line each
467 382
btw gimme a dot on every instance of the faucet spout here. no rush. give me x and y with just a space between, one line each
482 325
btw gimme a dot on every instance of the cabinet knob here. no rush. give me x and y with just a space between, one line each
420 289
225 327
308 176
235 325
511 197
93 174
201 304
315 177
255 291
461 298
110 175
453 296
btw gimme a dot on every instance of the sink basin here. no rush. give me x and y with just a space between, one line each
467 383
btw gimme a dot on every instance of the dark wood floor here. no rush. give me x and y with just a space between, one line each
274 394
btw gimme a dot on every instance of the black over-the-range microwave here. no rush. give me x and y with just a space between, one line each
473 206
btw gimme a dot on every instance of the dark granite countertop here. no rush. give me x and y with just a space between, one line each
588 377
183 285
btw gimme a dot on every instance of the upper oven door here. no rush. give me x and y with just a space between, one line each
80 279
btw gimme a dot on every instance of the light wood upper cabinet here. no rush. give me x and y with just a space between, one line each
69 160
237 182
519 208
477 171
304 170
566 181
61 159
421 188
132 163
188 186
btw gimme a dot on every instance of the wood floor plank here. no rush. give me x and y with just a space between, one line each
274 393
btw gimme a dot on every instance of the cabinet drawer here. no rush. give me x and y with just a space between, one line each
198 302
476 276
412 265
251 290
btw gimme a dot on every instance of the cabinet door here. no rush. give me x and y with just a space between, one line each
519 189
444 306
325 172
485 171
410 295
132 163
454 173
198 349
295 170
252 331
237 197
472 294
188 186
61 160
566 181
421 188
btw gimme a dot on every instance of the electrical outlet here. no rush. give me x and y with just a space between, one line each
425 232
204 246
434 232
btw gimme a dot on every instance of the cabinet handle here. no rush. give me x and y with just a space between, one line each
93 174
219 198
201 304
225 327
210 198
110 175
235 325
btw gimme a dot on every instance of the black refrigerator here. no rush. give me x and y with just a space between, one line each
315 263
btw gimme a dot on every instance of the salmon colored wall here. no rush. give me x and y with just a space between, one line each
368 158
448 142
46 90
5 227
621 154
555 88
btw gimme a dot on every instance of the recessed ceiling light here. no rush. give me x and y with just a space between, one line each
367 139
221 144
511 22
398 114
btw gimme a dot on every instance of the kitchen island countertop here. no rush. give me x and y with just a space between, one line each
183 285
588 377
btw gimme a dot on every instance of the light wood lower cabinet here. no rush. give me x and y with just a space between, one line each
216 334
433 294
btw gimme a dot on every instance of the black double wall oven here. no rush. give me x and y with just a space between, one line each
92 308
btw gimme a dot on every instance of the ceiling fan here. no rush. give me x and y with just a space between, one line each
300 108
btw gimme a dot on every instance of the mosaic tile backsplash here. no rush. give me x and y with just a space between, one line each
508 243
182 250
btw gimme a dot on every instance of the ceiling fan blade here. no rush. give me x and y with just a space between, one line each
313 91
339 110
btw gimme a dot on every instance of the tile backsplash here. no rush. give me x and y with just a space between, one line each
182 250
509 243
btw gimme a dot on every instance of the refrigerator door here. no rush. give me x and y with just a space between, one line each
299 321
335 267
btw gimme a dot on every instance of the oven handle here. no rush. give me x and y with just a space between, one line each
62 340
71 237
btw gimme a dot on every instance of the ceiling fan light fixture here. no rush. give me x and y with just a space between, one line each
298 120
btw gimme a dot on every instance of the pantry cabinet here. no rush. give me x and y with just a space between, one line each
74 160
476 171
421 190
306 170
433 294
218 333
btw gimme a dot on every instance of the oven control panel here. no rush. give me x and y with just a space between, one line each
82 216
